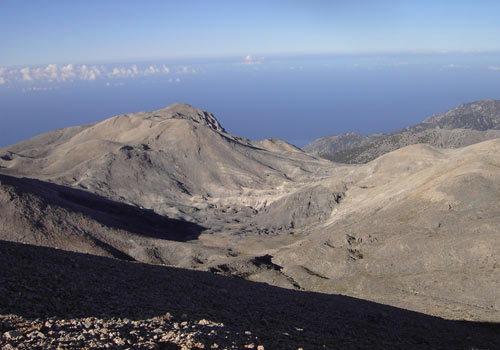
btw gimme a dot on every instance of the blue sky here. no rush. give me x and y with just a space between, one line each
55 31
296 70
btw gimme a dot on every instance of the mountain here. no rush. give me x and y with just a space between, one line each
177 167
178 161
416 228
462 126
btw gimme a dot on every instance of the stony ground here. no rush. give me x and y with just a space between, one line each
54 299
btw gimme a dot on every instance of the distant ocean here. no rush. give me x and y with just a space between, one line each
295 98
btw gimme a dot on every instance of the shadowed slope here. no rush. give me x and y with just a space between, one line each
47 214
43 282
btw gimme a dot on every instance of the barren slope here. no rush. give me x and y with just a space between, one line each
418 228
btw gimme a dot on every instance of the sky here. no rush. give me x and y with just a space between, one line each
296 70
61 31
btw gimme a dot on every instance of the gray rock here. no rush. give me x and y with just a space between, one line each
11 335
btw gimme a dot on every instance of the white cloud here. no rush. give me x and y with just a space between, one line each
51 72
67 72
70 71
151 70
37 73
251 60
89 73
495 68
122 72
115 71
26 74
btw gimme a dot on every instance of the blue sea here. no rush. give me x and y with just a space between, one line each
295 98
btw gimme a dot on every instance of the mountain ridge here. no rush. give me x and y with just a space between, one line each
463 125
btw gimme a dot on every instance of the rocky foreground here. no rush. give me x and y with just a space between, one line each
54 299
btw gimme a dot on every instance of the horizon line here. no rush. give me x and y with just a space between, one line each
260 55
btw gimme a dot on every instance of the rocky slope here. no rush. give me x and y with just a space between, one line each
52 299
418 227
462 126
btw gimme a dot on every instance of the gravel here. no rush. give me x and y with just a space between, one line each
54 299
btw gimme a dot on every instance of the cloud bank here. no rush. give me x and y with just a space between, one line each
83 72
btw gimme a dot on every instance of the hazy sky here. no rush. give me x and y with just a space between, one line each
59 31
296 70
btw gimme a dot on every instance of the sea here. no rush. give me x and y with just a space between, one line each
298 98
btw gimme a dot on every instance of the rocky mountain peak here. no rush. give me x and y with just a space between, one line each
185 111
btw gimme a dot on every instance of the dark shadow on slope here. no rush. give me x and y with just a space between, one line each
142 222
45 282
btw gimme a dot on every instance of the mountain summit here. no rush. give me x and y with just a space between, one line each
185 111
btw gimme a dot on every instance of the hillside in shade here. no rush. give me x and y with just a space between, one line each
51 298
